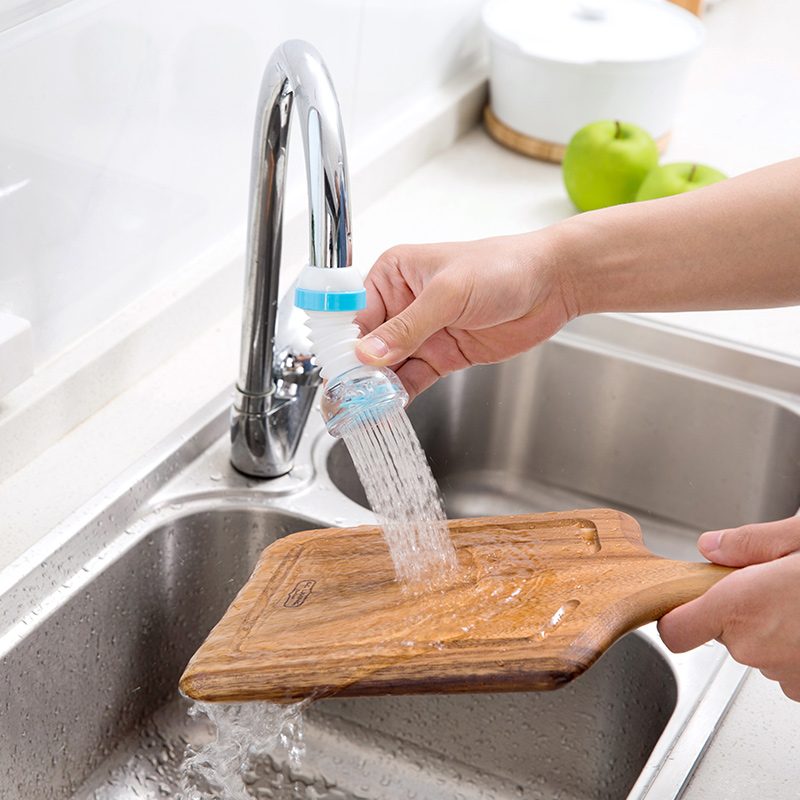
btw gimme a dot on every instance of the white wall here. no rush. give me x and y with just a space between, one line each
125 129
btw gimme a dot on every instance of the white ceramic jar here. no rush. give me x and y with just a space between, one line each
557 65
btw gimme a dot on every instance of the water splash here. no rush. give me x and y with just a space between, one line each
248 735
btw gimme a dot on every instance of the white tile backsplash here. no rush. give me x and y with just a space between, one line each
126 125
409 49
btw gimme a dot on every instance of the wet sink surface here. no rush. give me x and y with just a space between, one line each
111 655
124 641
95 634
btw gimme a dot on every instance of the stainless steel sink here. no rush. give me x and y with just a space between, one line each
566 426
98 620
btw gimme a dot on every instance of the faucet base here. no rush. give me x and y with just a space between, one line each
265 429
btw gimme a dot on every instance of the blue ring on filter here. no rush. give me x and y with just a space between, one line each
311 300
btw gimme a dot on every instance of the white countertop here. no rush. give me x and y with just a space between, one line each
737 116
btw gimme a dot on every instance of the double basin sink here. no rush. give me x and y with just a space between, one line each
98 620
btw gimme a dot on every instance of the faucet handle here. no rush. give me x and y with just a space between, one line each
293 371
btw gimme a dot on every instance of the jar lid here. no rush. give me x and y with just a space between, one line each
588 31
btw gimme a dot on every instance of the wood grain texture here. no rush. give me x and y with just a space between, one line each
537 599
535 148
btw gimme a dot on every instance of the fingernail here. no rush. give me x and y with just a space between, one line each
710 541
373 347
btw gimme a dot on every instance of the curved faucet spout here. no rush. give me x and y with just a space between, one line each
272 399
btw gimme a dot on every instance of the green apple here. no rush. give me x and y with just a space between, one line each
672 179
606 162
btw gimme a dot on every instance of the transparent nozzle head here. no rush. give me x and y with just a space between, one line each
361 396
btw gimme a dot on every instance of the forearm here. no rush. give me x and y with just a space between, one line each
735 244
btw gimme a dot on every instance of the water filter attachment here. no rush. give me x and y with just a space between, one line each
331 298
354 393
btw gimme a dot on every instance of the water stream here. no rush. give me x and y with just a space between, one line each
404 496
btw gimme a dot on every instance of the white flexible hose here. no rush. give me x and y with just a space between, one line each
333 336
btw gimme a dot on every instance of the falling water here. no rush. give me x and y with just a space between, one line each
244 760
403 494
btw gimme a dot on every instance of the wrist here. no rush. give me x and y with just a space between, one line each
568 251
610 261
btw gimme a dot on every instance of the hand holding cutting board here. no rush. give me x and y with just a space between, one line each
753 612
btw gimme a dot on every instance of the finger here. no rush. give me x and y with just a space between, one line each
780 674
393 282
691 624
375 313
751 544
417 375
399 337
791 689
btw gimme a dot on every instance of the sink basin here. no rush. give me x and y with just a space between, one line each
565 427
124 640
111 654
590 740
98 620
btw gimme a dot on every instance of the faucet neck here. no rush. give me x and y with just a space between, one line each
267 422
296 82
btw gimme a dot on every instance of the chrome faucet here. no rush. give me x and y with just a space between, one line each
276 388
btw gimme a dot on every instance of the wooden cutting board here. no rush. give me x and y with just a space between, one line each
537 599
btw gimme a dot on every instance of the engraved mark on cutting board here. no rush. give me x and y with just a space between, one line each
299 594
260 611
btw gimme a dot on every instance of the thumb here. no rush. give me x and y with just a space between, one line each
399 337
751 544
